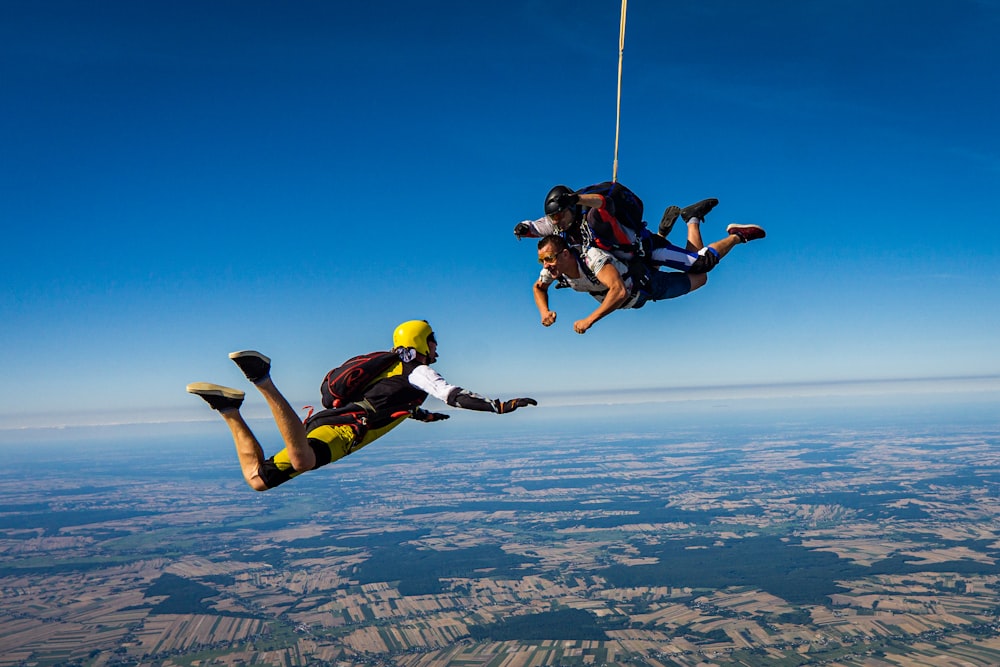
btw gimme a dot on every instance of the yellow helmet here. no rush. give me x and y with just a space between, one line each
414 334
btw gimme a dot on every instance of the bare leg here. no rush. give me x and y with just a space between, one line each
694 241
723 246
697 280
300 454
248 450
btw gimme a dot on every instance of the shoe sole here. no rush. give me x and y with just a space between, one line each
713 202
668 220
209 389
249 353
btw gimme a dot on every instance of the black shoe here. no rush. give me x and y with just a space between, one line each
668 220
747 233
698 210
254 365
218 397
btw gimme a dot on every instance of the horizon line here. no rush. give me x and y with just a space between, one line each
798 383
582 398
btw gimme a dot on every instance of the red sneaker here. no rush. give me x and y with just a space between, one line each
747 233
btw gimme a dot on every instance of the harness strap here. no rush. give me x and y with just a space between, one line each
584 269
635 269
365 405
360 428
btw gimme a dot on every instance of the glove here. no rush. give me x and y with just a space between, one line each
503 407
568 200
521 230
422 415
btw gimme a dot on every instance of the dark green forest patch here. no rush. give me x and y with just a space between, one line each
564 624
419 571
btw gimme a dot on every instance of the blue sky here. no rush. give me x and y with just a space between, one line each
183 179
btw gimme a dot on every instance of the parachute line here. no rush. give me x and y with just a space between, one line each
618 110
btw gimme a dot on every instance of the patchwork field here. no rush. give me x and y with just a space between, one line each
744 546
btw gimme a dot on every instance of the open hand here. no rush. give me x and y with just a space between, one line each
503 407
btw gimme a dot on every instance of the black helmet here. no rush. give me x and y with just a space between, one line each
552 199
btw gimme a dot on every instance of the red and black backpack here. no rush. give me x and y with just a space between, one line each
347 383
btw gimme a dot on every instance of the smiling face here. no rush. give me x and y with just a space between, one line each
556 260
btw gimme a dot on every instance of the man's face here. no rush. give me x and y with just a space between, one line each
562 219
553 260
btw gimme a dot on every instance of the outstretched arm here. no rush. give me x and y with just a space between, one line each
541 292
534 229
427 379
610 278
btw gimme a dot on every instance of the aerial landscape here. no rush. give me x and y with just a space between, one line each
859 541
716 453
